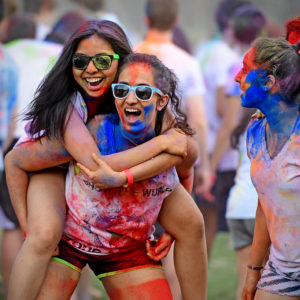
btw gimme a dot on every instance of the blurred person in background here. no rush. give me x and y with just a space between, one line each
12 236
216 57
161 18
33 59
43 12
96 9
180 39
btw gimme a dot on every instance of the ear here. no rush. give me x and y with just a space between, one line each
269 83
162 102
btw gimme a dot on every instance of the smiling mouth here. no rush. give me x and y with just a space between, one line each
132 111
93 81
132 114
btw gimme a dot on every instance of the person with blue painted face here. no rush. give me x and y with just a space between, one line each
270 82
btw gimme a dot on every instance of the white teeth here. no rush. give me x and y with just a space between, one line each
93 80
131 110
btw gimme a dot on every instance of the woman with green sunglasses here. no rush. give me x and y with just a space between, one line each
53 116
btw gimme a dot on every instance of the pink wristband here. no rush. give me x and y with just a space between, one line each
129 178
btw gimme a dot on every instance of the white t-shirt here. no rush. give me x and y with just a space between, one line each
242 200
277 182
181 63
216 58
34 60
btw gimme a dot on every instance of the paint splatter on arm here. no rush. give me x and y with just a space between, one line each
28 157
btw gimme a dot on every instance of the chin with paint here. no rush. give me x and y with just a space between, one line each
270 81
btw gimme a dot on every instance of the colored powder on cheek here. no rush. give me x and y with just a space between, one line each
148 112
154 289
76 72
255 91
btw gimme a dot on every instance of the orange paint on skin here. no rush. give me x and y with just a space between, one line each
134 71
152 290
248 66
55 285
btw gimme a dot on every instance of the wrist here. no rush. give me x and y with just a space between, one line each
122 179
129 178
161 141
255 267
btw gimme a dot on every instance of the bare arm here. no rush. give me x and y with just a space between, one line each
197 120
105 177
78 137
30 156
44 153
229 121
11 130
259 250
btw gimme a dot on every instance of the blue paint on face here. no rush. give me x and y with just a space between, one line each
141 130
255 94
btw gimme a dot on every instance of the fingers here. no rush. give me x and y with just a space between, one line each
98 160
87 172
161 255
161 246
155 252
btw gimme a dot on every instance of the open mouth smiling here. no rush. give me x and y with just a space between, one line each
132 113
93 81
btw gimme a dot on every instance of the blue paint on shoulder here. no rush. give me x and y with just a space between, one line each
255 136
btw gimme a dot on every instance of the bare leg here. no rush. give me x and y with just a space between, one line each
46 215
181 218
146 283
168 264
10 245
262 295
210 215
59 283
242 258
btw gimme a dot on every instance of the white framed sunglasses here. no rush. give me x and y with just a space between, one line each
141 92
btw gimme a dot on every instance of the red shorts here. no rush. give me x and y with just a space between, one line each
105 265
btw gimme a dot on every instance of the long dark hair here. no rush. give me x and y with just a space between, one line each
166 81
49 108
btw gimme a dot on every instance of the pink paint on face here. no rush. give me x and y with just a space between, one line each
248 66
95 82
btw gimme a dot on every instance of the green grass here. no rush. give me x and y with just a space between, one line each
222 281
